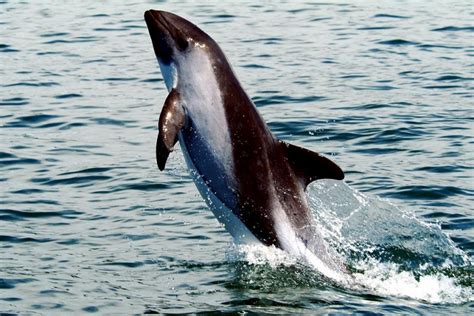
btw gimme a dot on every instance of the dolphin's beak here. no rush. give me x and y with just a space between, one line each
159 35
165 34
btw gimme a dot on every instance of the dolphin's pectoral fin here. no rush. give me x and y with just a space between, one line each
172 119
310 166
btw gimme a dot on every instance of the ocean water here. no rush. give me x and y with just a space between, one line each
89 225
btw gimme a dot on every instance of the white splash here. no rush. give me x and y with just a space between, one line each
354 222
321 262
388 280
372 274
259 254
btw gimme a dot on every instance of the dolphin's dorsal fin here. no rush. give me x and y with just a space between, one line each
310 166
172 119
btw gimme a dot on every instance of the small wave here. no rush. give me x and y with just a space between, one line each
68 96
454 29
453 78
33 84
109 121
390 16
377 150
11 283
397 42
392 136
144 186
14 102
375 28
72 41
84 180
428 46
110 29
5 48
93 61
283 99
459 223
28 191
72 125
99 15
452 86
359 133
443 169
118 79
376 87
428 192
87 170
54 34
255 66
15 239
31 120
224 16
370 106
127 264
354 76
19 161
10 214
320 19
265 40
152 80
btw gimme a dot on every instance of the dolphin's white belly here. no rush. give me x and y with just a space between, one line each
202 100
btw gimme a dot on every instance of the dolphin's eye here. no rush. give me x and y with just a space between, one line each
182 43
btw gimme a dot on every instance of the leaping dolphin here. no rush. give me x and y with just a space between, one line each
253 183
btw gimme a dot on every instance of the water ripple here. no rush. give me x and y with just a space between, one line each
420 192
87 170
14 101
453 78
126 264
11 283
142 186
18 161
31 120
89 180
398 42
21 240
454 29
5 48
33 84
282 99
68 96
72 41
21 215
390 16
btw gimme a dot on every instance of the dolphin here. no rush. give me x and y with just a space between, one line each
253 182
